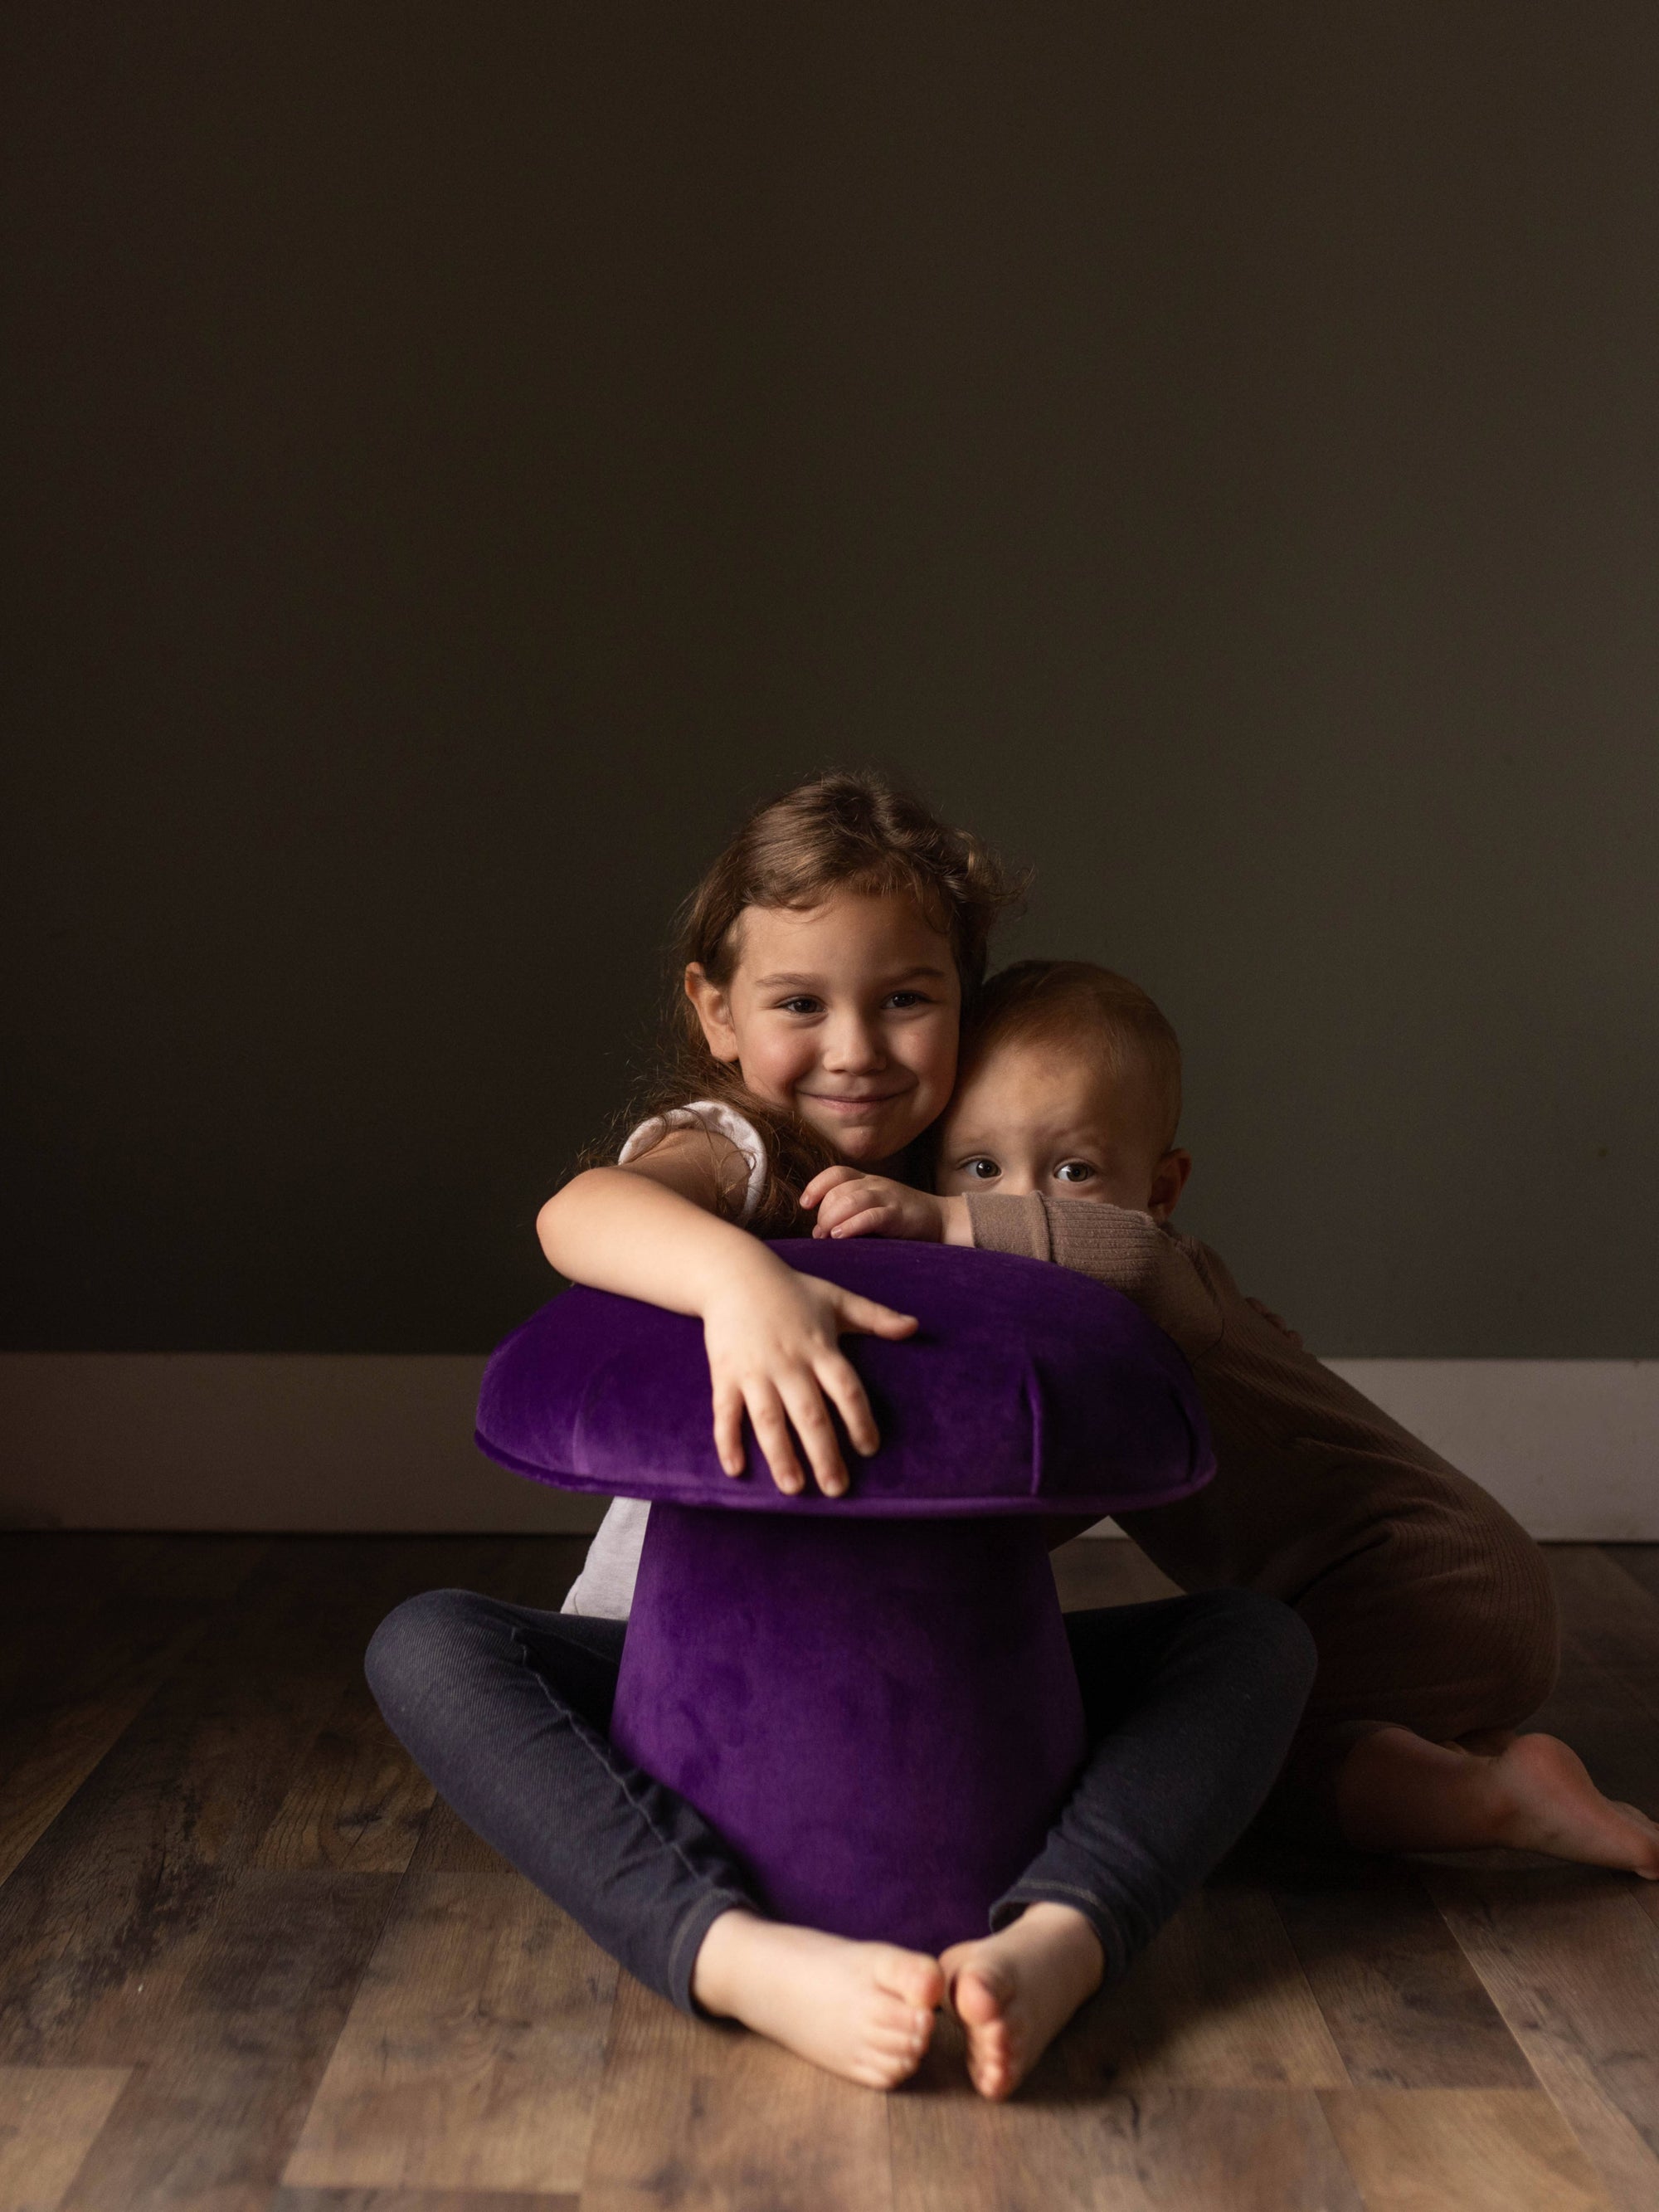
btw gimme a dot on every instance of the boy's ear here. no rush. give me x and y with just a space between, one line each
713 1006
1169 1180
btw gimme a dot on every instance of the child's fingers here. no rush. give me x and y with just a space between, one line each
846 1197
772 1435
840 1383
870 1223
728 1426
869 1318
826 1180
805 1403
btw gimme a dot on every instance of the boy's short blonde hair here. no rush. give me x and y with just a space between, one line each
1074 1004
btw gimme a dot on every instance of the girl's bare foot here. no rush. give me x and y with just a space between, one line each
1398 1792
1015 1991
862 2010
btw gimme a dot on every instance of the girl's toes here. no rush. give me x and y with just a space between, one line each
901 2027
887 2065
916 1980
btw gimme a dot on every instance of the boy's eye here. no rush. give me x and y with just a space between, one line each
982 1169
1073 1171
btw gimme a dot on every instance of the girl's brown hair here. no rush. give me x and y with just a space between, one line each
836 832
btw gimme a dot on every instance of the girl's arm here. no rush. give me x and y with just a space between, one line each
650 1231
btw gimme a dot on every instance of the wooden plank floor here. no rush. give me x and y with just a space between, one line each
247 1964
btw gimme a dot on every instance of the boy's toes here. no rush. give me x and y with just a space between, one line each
1645 1859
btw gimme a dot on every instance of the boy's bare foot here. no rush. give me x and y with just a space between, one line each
1015 1991
1398 1792
862 2010
1554 1806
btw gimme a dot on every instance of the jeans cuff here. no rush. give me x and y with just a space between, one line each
688 1941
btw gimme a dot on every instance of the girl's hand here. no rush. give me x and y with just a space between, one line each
852 1204
772 1338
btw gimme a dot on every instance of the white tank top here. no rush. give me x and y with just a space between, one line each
605 1589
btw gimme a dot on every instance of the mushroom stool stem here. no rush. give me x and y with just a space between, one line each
880 1715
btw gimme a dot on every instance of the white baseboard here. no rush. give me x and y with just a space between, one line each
1570 1446
258 1441
280 1442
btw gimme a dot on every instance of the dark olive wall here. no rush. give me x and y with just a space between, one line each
460 455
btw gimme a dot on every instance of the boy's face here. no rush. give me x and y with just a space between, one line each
1038 1117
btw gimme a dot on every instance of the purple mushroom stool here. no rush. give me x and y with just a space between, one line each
870 1696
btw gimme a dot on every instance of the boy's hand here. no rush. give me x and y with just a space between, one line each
852 1204
772 1338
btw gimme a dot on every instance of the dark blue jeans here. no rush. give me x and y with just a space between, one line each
1190 1705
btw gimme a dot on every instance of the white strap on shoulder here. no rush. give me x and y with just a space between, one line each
710 1114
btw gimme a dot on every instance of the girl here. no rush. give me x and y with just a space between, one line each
825 962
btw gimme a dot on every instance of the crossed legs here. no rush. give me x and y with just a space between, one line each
1190 1704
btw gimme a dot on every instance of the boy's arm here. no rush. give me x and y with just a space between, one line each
1126 1250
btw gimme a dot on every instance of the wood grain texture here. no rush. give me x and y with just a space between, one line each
235 2029
1572 1961
44 1757
94 1668
1402 2003
1159 2150
421 2200
140 1856
473 2055
703 2118
54 1583
194 1966
1219 2001
1462 2150
358 1800
50 2116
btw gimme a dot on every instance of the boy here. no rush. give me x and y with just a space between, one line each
1432 1608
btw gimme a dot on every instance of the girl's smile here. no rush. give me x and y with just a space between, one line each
847 1013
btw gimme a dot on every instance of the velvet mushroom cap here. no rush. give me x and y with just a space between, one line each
1025 1389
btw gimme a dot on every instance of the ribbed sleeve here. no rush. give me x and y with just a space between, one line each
1126 1250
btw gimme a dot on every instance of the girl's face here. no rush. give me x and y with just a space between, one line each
847 1013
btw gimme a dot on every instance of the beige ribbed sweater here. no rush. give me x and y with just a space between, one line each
1431 1606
